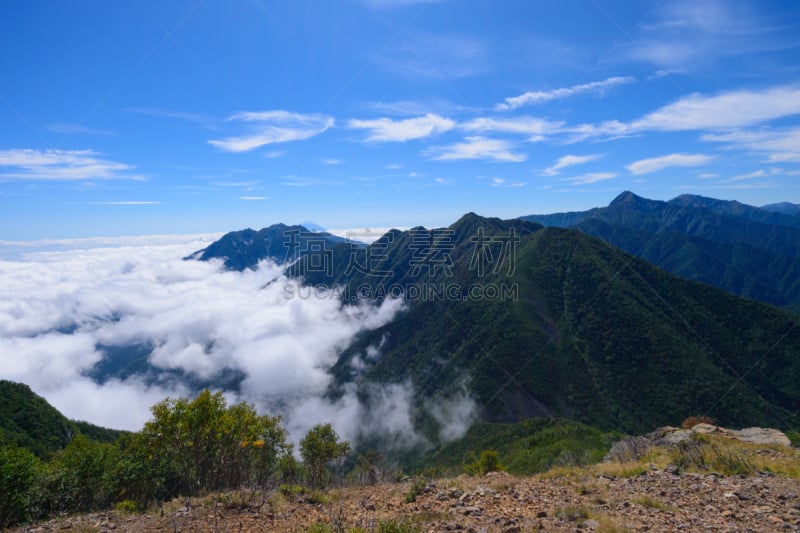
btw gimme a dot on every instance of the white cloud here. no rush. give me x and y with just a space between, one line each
568 161
60 165
477 148
502 182
535 127
654 164
77 129
332 161
757 174
686 35
609 129
455 414
778 145
129 202
724 112
59 310
734 109
252 198
591 177
538 97
388 130
199 119
271 127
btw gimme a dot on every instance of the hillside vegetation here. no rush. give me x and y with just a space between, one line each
203 446
28 421
748 251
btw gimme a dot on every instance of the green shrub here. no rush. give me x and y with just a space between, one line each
573 512
126 506
18 470
417 489
291 491
700 454
794 437
487 461
398 526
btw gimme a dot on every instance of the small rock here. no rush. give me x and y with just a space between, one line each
589 524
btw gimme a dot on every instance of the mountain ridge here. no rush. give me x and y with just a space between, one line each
562 325
742 249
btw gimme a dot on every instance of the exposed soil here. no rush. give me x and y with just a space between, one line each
656 500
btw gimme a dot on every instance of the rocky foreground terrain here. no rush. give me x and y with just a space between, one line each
668 480
653 500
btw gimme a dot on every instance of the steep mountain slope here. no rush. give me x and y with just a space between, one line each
745 250
591 333
533 321
27 420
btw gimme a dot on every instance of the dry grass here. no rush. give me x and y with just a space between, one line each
703 454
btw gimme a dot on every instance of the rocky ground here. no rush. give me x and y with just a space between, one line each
654 500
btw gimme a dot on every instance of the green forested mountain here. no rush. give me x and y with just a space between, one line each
28 421
540 321
749 251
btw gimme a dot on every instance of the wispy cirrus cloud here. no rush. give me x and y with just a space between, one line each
591 177
422 54
536 128
684 35
757 174
129 202
388 130
654 164
502 182
477 148
77 129
198 119
60 165
539 97
273 127
720 113
568 161
733 109
777 145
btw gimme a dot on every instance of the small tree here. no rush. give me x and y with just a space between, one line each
368 467
488 461
318 448
18 469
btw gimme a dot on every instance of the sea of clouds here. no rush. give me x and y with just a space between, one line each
58 309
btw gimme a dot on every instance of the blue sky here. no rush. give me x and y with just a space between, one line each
139 116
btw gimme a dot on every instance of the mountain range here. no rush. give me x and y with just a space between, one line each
748 251
545 321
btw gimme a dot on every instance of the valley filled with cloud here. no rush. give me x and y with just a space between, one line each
105 330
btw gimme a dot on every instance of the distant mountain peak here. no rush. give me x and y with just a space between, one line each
313 226
628 198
